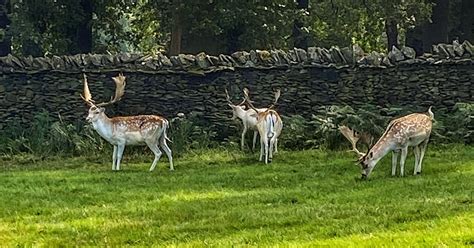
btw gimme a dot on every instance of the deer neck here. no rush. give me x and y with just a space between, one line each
103 125
380 149
240 113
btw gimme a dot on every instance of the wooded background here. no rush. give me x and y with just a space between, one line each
64 27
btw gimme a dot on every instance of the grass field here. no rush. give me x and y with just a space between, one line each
220 198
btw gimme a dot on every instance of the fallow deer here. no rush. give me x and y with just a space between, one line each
127 130
410 130
269 126
248 118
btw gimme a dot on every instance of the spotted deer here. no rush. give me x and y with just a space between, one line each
411 130
269 126
247 116
127 130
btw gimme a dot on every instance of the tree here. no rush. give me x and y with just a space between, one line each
300 36
51 27
5 37
83 37
176 29
467 20
437 30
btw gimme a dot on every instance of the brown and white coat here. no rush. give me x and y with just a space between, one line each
411 130
128 130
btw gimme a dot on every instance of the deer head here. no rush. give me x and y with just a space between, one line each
236 108
96 110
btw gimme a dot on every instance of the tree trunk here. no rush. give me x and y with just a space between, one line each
5 37
392 33
300 38
467 20
84 29
414 39
176 30
437 31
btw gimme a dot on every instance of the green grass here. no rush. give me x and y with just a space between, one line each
221 198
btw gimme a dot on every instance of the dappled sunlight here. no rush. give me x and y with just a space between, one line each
307 197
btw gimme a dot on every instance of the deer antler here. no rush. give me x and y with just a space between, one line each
119 90
277 96
229 101
87 97
247 100
353 137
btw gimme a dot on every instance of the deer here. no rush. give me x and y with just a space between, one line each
248 118
127 130
412 130
269 126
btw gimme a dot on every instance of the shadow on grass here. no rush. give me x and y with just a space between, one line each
217 196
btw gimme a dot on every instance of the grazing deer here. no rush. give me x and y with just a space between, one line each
269 126
410 130
248 117
127 130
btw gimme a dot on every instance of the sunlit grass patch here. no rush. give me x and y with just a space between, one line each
222 198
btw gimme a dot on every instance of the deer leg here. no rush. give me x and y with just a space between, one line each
114 158
270 148
262 147
416 151
422 154
154 148
254 140
242 142
403 157
276 145
167 150
394 162
120 149
266 152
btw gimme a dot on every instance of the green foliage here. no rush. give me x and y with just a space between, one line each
189 133
322 129
46 137
342 23
45 27
50 27
221 199
456 126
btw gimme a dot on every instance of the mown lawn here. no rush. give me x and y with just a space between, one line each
220 198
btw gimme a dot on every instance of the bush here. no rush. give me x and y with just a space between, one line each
48 136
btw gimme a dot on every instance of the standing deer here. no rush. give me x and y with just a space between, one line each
410 130
127 130
269 126
248 117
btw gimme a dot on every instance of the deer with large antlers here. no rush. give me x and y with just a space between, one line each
247 116
412 130
127 130
269 126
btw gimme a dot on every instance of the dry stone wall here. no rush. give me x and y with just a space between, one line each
186 83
